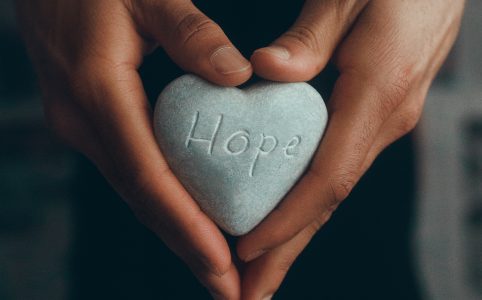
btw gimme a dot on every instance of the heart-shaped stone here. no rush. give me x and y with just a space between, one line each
238 152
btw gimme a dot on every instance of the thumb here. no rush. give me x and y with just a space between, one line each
192 40
304 50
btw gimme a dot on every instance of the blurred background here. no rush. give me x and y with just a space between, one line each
37 173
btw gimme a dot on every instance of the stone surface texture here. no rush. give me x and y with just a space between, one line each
238 152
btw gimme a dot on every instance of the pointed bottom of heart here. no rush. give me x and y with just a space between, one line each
238 152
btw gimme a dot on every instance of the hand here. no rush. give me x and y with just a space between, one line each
387 53
86 54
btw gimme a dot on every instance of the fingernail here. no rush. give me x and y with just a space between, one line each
254 255
268 297
228 60
278 51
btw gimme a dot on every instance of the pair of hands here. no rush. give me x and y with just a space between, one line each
87 54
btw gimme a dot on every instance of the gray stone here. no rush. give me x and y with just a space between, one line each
238 152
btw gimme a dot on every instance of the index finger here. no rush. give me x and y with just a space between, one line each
133 163
337 165
373 82
110 97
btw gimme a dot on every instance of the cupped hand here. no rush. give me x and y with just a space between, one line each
87 54
387 53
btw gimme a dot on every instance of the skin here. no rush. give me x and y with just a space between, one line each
87 54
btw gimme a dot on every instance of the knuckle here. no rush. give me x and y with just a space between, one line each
286 261
410 118
387 103
285 264
328 202
198 265
204 267
392 90
391 83
389 88
340 187
316 224
399 83
278 235
347 10
319 221
342 6
193 25
90 84
304 35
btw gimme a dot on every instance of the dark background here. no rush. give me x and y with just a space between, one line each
65 235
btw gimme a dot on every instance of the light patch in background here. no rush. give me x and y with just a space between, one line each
448 241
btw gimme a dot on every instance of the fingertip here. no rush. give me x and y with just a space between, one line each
285 63
276 52
250 256
223 65
269 234
263 276
226 286
208 245
240 250
196 43
227 67
223 265
227 60
246 252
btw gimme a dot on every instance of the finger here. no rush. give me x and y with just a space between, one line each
407 115
402 121
116 107
361 102
138 171
379 62
335 168
109 109
195 42
226 286
303 51
263 276
110 97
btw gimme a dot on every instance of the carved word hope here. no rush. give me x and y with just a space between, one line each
240 141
